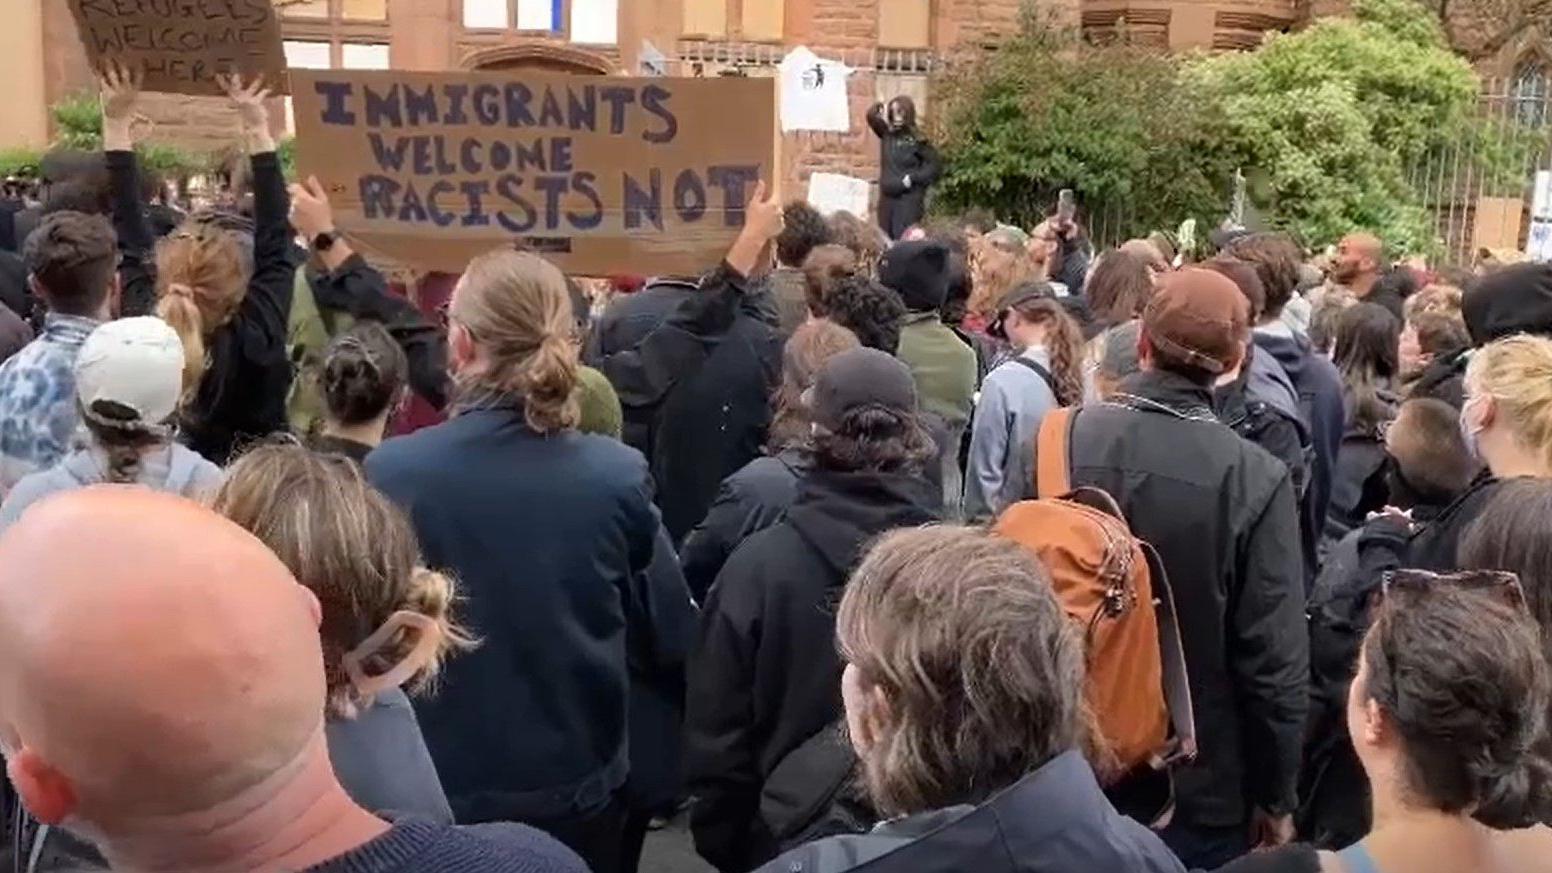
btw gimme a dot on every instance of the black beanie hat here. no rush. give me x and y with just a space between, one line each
918 272
1510 300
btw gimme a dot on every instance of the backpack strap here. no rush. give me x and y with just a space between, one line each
1041 371
1053 473
1172 657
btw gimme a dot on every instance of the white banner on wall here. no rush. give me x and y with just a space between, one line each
813 93
832 192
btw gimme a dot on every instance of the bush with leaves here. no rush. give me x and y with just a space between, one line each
1327 121
1116 123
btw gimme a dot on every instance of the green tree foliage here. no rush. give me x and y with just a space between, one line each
1113 122
1327 121
1326 124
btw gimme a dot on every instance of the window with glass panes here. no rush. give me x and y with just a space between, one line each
582 21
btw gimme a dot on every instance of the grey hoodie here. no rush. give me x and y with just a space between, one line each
175 469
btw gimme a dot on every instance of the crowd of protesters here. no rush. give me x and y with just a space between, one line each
755 543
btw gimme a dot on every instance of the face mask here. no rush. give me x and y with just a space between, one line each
1469 431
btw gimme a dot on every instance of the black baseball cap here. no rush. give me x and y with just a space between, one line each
858 378
1018 295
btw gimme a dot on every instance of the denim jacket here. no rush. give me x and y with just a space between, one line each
38 416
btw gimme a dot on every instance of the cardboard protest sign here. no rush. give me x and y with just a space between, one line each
182 45
599 174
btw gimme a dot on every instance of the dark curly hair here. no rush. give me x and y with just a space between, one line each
1460 674
874 439
804 229
867 309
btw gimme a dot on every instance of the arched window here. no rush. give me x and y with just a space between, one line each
1531 92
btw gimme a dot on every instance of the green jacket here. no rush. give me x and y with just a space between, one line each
943 366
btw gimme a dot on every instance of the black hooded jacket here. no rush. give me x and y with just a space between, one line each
765 676
1222 514
699 382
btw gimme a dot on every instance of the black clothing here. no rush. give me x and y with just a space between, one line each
765 676
1221 513
1333 789
242 395
1054 820
14 290
918 272
331 445
622 327
1273 426
1358 485
902 153
163 219
1444 379
1513 299
1319 390
703 379
1434 545
359 290
748 502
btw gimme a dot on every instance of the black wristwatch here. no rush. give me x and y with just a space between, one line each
325 241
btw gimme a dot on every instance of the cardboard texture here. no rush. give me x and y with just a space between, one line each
182 45
600 175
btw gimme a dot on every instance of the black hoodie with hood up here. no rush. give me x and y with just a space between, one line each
765 676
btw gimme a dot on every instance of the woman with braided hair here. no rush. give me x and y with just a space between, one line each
1046 372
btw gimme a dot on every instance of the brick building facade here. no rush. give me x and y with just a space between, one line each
892 44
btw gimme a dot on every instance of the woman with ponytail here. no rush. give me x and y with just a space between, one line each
548 530
1046 373
227 296
1448 715
386 620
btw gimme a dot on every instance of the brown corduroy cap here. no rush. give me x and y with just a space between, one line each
1198 318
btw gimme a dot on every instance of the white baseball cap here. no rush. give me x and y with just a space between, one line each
135 363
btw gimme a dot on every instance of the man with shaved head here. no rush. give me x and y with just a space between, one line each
1360 258
162 694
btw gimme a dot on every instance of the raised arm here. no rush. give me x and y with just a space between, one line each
261 320
677 348
137 266
876 120
349 284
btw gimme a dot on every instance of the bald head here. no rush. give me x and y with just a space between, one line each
154 657
1358 256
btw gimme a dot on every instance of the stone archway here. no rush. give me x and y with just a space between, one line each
547 57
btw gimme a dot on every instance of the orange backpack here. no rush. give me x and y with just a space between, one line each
1114 588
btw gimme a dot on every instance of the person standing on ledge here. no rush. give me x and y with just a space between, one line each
908 165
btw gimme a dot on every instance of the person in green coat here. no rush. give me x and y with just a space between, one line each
943 366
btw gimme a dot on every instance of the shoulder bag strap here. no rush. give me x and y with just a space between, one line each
1053 474
1040 371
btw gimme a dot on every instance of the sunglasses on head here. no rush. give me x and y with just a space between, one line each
1498 584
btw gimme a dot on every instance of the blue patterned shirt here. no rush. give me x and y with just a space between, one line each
38 416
